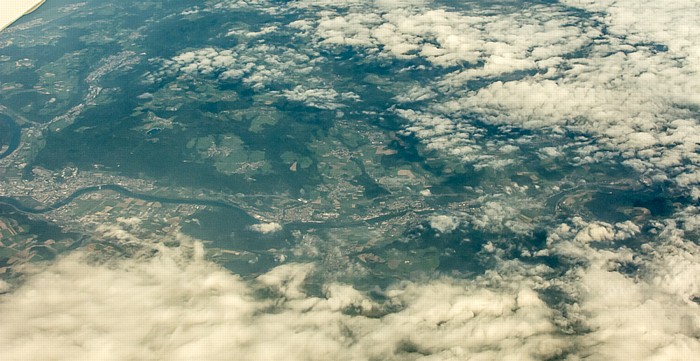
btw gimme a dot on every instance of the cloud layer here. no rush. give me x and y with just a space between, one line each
623 73
178 306
174 304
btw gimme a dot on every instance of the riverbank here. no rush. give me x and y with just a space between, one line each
13 10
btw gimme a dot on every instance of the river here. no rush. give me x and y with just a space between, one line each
15 134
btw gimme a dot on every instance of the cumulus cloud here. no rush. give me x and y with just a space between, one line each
319 98
203 61
647 314
174 304
624 74
633 92
444 134
443 223
228 5
266 228
415 93
619 309
178 306
481 42
503 42
132 222
605 232
259 66
626 294
501 213
550 152
116 233
632 87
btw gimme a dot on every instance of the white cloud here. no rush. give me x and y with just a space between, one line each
550 152
259 66
484 43
443 223
633 92
633 320
178 306
446 135
205 61
114 232
415 94
131 221
266 228
500 213
632 88
319 98
627 95
604 232
504 42
647 314
228 5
